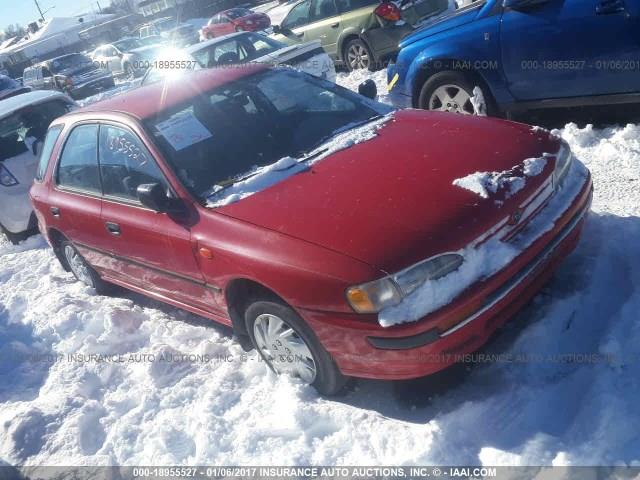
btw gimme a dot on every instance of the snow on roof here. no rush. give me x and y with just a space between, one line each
57 26
12 104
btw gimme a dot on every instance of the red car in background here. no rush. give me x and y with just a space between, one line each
344 239
234 20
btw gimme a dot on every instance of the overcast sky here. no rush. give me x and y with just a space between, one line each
25 11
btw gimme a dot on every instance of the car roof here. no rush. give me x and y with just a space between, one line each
198 46
13 104
144 102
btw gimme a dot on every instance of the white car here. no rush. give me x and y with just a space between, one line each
243 47
24 120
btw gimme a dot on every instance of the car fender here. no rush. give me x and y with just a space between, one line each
348 34
475 50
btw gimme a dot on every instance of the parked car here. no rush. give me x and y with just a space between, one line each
264 199
9 87
176 33
573 54
234 20
23 124
242 47
358 33
129 56
74 74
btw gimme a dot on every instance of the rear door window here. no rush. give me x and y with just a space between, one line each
298 16
78 166
47 149
125 164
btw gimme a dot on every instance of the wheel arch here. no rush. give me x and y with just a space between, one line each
348 35
239 294
56 237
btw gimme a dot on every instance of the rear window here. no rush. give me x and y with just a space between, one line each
237 13
47 148
70 61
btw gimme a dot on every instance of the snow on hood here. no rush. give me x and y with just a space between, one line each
264 177
489 257
487 183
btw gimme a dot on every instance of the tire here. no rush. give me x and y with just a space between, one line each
313 365
129 73
357 55
14 238
441 87
81 269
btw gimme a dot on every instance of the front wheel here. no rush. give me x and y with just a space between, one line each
288 345
14 238
456 93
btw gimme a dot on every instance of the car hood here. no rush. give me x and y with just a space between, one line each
390 201
440 23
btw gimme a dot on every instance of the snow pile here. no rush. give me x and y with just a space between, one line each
353 79
486 183
478 102
486 259
265 177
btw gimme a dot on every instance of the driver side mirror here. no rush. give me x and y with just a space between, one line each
368 89
154 196
277 29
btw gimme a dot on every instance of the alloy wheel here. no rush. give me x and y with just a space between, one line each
451 98
282 348
357 56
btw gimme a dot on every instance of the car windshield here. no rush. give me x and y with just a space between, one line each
218 137
69 61
164 25
237 13
128 44
20 129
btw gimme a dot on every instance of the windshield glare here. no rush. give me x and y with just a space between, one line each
128 44
224 134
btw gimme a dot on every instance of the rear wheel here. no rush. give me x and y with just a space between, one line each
81 269
357 55
288 346
456 93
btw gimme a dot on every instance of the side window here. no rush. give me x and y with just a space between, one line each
298 16
46 73
78 166
348 5
321 9
47 148
125 163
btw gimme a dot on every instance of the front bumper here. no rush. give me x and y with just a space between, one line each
363 348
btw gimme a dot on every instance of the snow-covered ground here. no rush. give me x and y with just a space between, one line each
561 385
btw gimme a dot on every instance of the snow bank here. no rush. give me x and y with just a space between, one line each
486 259
265 177
486 183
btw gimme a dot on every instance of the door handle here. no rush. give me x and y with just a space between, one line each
610 7
335 25
299 35
55 211
113 228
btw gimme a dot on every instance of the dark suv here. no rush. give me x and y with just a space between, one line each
75 74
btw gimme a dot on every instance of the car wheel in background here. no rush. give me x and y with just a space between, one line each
357 55
287 345
129 72
81 269
14 238
456 93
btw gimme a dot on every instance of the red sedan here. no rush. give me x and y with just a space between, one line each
234 20
338 236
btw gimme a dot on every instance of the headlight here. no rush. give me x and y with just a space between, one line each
563 161
6 179
374 296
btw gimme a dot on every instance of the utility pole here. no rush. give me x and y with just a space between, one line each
99 7
39 10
